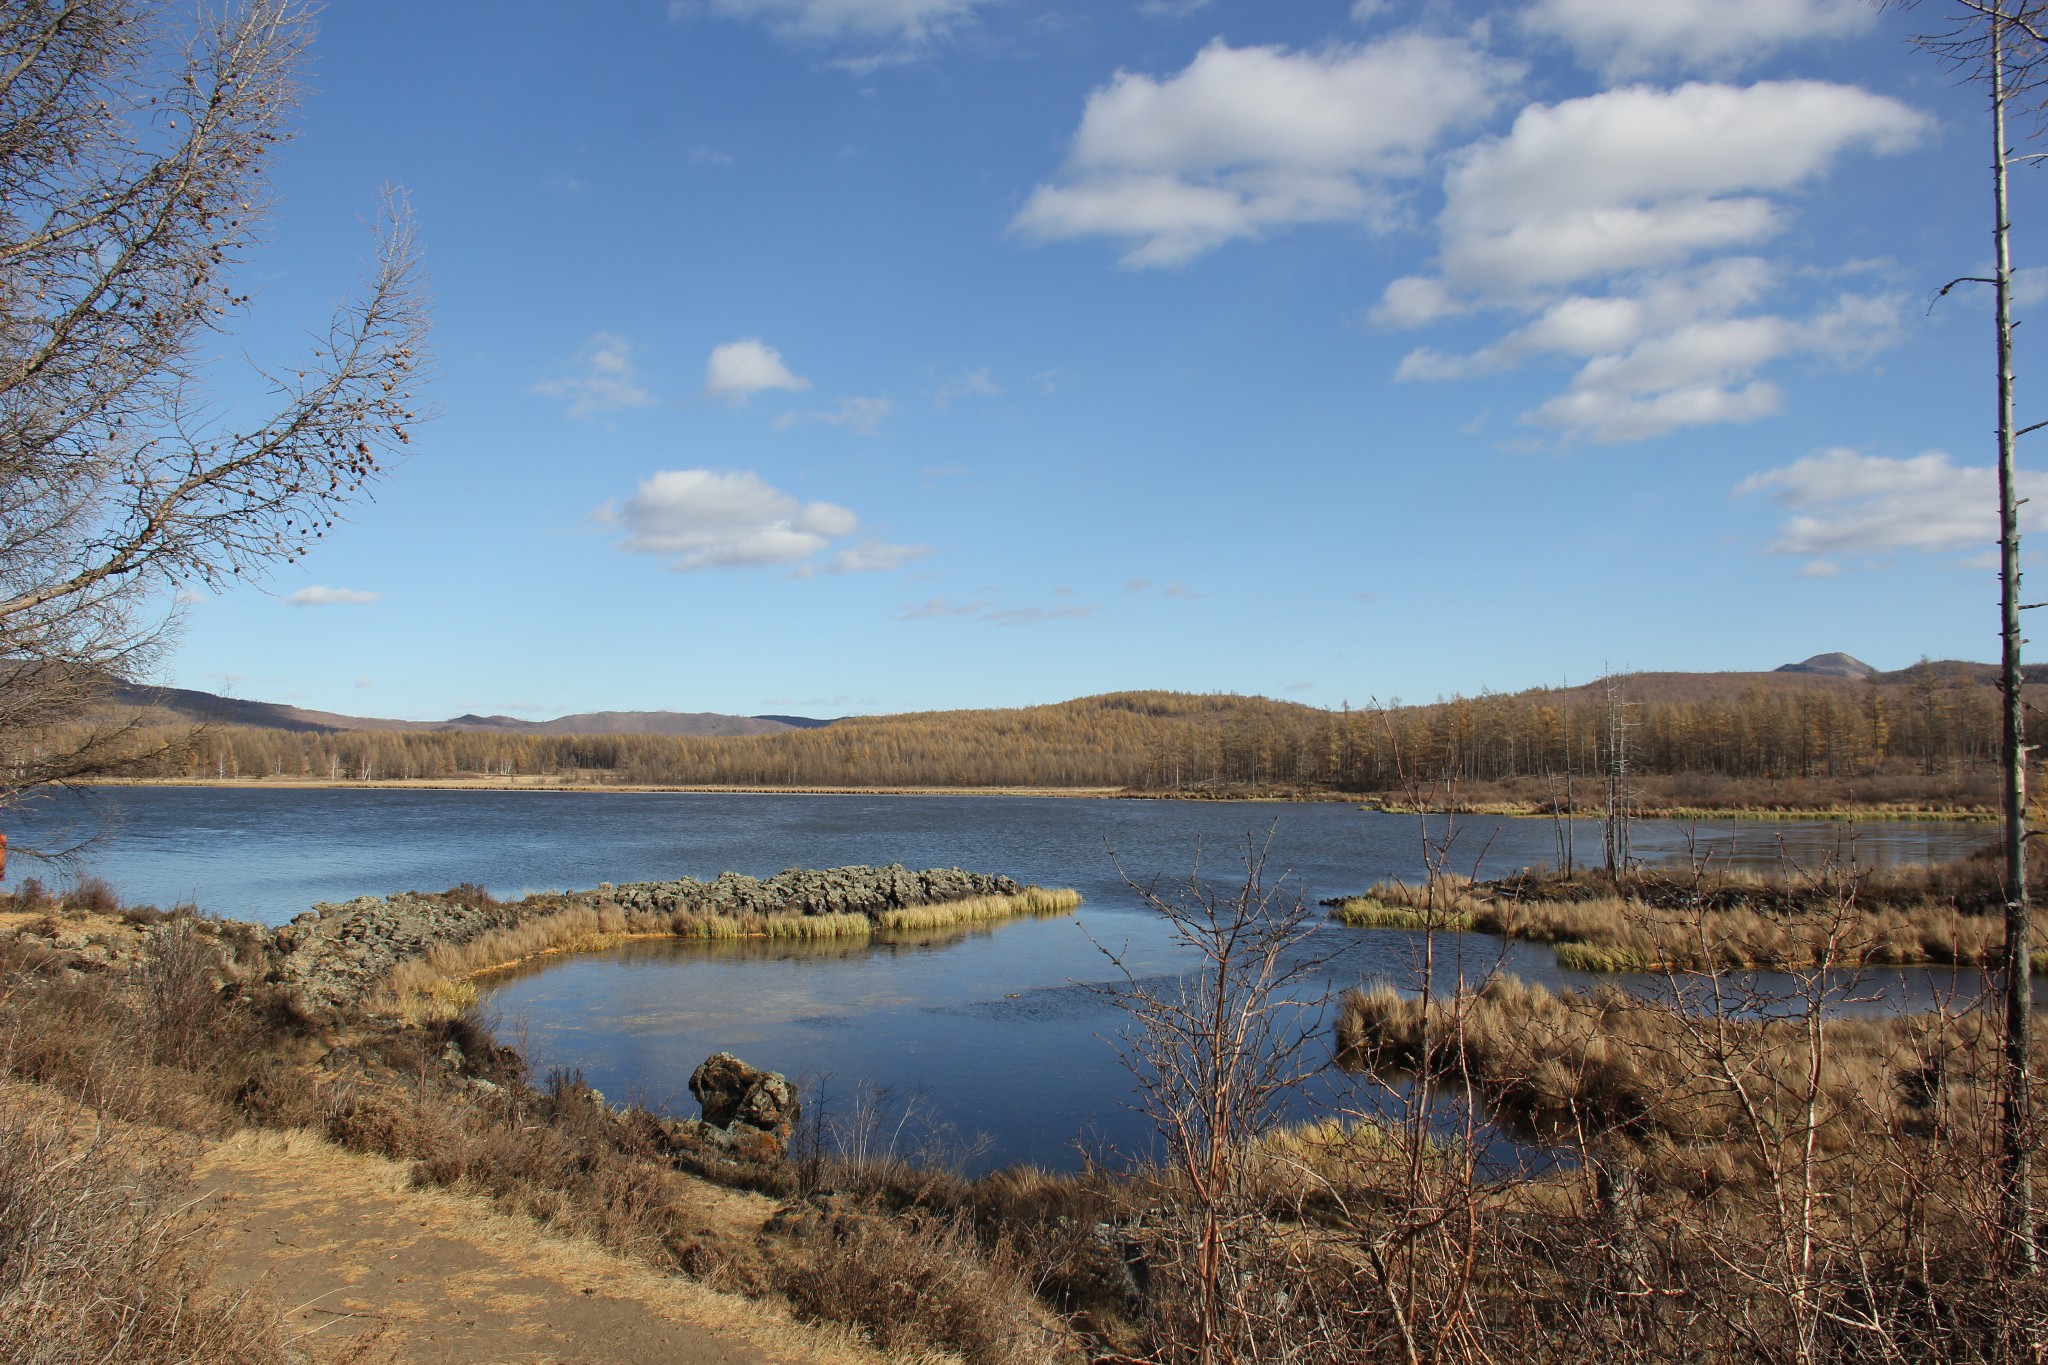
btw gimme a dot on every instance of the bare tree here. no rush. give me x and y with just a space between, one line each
1217 1054
2001 44
133 143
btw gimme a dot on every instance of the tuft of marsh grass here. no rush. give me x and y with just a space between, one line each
1365 912
1650 922
1032 900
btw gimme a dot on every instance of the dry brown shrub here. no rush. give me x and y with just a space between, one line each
98 1262
918 1283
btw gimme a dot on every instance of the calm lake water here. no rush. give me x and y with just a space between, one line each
1006 1033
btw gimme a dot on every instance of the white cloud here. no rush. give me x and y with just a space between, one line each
1845 503
740 369
331 597
1633 37
863 415
700 519
1245 140
1609 221
366 681
905 20
1641 177
604 380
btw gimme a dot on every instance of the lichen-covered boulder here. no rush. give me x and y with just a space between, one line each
756 1110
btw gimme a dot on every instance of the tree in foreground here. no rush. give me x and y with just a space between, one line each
134 137
2001 44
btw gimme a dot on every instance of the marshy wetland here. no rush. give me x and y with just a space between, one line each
1001 1032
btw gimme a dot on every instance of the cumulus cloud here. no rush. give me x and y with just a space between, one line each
740 369
603 379
863 415
1624 227
1642 177
1844 503
331 597
1634 37
1245 140
700 519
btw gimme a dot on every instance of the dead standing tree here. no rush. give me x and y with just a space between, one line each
2001 43
133 139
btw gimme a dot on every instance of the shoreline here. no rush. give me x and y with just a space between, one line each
1843 814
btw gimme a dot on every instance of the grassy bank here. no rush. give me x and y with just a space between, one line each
443 980
1950 913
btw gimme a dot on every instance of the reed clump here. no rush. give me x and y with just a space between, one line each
1032 900
1651 922
1570 1065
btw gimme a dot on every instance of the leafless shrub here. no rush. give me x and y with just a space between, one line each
918 1283
98 1263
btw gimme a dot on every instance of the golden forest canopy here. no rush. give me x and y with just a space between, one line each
1934 720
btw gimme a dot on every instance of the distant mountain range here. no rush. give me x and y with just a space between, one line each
186 704
183 705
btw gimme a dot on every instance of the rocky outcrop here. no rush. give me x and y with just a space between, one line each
835 891
750 1112
336 954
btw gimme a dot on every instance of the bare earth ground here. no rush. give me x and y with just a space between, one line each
367 1268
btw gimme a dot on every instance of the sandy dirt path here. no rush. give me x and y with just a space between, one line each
366 1268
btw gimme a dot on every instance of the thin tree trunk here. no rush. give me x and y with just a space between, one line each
2017 1139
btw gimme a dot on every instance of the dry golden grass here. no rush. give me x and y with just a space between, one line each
1032 900
439 985
1737 921
1607 1063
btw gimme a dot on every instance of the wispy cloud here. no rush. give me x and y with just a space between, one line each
603 379
979 383
331 597
985 608
862 415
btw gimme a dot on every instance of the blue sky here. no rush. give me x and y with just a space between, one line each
838 356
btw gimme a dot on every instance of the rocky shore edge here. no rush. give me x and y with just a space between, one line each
337 957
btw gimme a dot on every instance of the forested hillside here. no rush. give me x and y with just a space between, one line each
1922 729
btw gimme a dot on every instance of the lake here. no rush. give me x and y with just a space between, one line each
1007 1032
